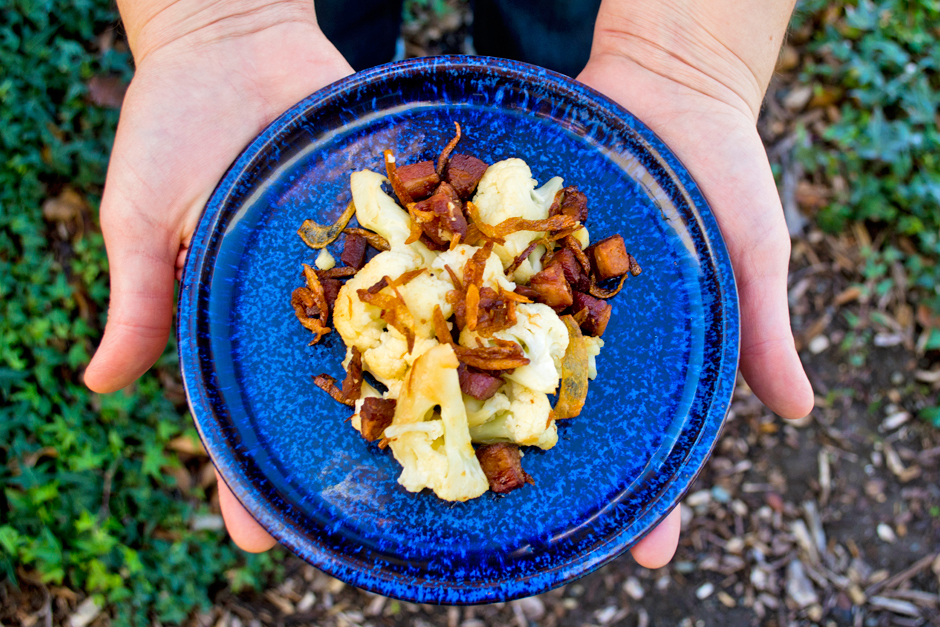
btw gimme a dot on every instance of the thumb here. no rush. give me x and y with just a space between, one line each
142 265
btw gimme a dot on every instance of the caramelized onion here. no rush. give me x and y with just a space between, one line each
317 236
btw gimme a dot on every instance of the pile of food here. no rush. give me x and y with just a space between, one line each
485 297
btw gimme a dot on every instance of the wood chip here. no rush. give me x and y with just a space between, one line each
905 608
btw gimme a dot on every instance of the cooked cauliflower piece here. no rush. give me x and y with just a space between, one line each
479 412
543 338
528 420
447 463
593 345
376 210
358 323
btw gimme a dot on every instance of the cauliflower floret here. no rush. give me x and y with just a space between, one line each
376 211
528 421
422 294
507 190
543 338
359 324
593 345
479 411
447 464
389 361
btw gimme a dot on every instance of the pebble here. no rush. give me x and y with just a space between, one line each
886 533
704 591
735 545
818 344
799 587
726 599
697 499
532 607
606 615
720 494
633 588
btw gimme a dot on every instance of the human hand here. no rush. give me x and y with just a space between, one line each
208 79
696 75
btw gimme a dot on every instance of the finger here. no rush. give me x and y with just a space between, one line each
769 361
142 265
244 530
656 549
752 222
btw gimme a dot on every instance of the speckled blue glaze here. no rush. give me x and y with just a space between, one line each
665 376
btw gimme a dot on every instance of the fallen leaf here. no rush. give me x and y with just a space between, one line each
65 207
107 91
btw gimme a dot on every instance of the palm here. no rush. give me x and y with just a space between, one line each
185 119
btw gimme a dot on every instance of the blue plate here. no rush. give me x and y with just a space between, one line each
665 376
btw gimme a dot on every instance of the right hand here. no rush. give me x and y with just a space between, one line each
209 78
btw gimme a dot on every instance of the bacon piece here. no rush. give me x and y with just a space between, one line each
375 416
449 148
448 190
446 219
464 173
566 259
609 257
354 251
526 292
419 179
502 465
328 384
330 292
570 202
352 384
391 170
596 313
375 240
551 286
478 384
494 310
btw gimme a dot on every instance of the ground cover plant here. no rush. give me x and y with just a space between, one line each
106 509
89 500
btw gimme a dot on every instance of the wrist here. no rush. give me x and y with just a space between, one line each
723 49
156 24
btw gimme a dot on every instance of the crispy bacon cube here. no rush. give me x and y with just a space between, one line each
502 465
609 257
